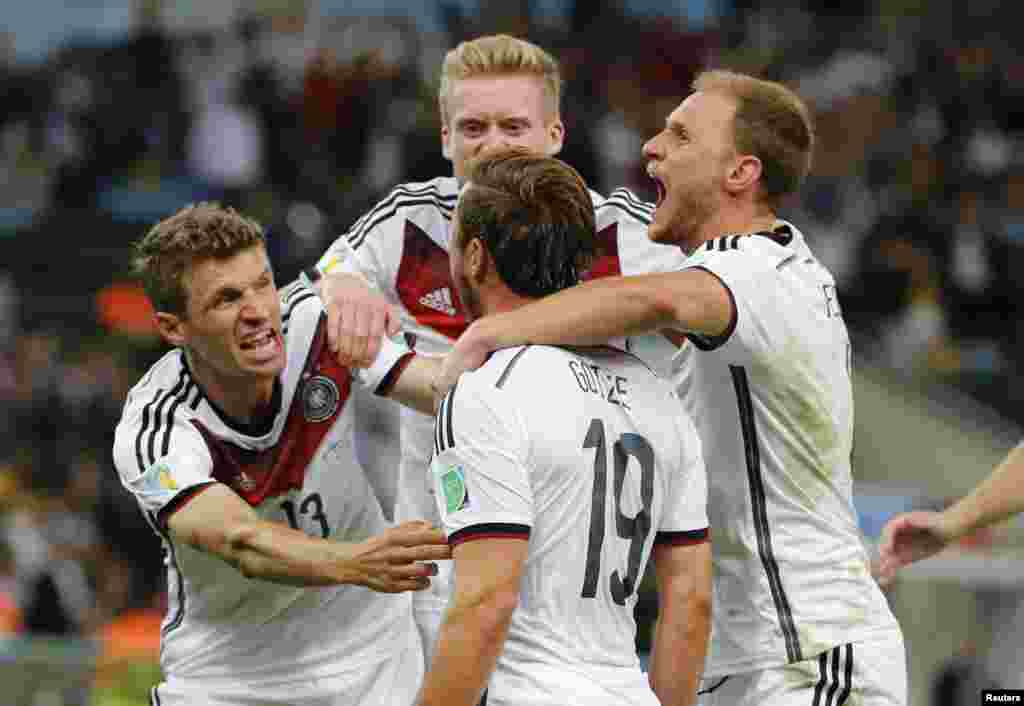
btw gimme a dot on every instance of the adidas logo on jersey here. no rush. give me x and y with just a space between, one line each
439 300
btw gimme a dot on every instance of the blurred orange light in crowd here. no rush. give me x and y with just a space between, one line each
124 307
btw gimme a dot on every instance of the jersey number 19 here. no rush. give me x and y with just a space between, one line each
635 528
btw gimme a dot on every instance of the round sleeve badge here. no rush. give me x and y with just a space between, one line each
453 486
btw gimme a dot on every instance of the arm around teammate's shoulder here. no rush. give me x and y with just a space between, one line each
691 300
216 520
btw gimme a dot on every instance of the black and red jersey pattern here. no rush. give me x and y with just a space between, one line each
258 475
424 284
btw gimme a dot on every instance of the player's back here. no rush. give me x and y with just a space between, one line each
606 448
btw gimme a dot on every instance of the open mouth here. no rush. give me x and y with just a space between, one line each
659 185
261 342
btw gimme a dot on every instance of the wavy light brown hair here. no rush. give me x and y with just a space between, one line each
195 233
534 214
772 123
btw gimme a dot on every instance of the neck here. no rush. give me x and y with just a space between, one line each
499 299
740 218
243 399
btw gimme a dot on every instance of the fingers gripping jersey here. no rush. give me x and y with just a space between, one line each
587 455
773 403
298 469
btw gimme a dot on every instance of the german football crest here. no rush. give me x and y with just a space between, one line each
320 398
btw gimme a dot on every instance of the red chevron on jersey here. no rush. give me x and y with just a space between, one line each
320 397
607 263
423 279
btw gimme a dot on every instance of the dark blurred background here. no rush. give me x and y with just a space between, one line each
302 113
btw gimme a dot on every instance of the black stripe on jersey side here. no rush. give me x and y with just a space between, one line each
444 436
291 308
437 425
735 242
822 680
682 538
636 212
445 210
448 414
835 677
483 699
645 206
291 290
402 199
158 419
154 698
165 447
845 693
489 530
142 430
172 557
194 404
760 512
503 378
400 192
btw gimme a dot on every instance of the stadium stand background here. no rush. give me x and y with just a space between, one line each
117 112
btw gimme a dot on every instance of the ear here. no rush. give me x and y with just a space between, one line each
477 259
171 327
744 174
556 133
446 145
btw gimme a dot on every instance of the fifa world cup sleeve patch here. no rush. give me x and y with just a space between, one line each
451 486
166 479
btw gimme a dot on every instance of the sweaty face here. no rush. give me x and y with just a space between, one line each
233 321
490 111
689 161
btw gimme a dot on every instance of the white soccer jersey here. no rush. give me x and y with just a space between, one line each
773 403
401 247
587 455
222 629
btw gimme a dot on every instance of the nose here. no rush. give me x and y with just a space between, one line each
255 308
649 149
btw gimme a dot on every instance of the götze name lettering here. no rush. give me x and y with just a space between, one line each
598 381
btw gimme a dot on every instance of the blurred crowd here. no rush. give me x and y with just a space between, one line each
916 202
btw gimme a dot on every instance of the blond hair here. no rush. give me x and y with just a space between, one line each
497 55
772 123
196 232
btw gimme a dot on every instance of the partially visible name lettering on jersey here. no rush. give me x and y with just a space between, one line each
598 381
831 301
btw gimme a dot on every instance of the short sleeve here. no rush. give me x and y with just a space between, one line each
158 474
479 471
378 376
686 517
753 285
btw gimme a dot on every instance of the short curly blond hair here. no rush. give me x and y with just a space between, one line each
497 55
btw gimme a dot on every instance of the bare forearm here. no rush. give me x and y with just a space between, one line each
589 314
680 647
273 552
997 497
413 388
468 646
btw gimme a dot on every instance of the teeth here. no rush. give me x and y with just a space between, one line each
258 341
